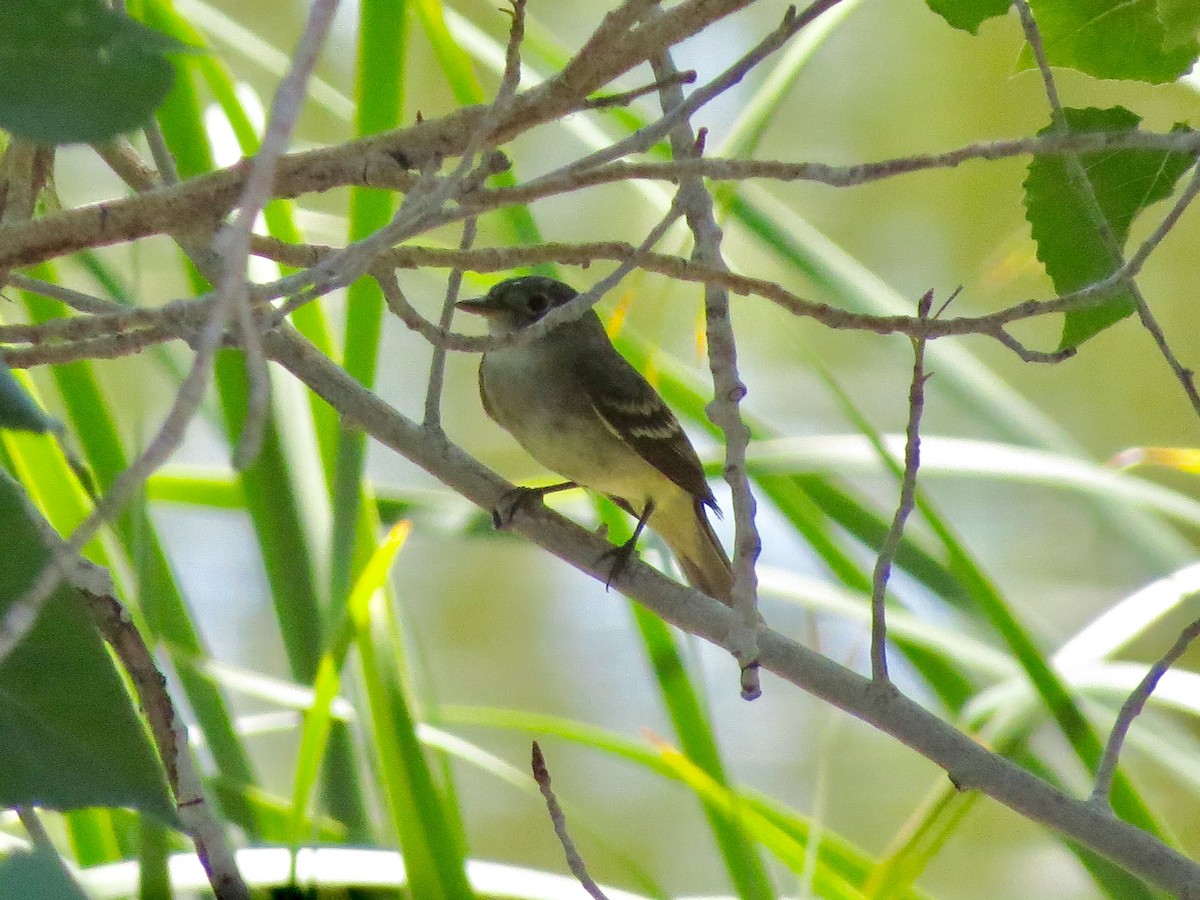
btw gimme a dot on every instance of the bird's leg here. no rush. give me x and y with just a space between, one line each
622 553
517 498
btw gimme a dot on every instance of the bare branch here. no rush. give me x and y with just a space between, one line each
77 300
541 775
170 737
1132 708
437 365
970 765
728 388
904 507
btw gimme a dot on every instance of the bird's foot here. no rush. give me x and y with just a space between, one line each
519 498
621 555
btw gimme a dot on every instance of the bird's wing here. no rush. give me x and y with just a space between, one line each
632 410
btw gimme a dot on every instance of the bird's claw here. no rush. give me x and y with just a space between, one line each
520 497
620 554
511 503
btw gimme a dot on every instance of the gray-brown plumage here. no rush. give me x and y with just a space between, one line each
580 409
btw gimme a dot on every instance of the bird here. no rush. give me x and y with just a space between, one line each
582 410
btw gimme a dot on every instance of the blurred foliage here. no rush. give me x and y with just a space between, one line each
346 693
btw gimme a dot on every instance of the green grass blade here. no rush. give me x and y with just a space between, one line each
782 843
847 863
379 92
318 719
195 487
92 835
268 484
433 855
742 862
696 737
756 116
154 877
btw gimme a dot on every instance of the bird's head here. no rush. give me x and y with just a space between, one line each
519 302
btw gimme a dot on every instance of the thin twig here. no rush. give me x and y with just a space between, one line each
423 205
233 241
208 197
113 346
36 830
1132 708
170 320
908 489
571 178
574 861
504 98
77 300
168 172
170 736
606 101
568 312
1081 182
437 365
728 388
649 135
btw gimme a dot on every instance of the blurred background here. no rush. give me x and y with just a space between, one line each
493 621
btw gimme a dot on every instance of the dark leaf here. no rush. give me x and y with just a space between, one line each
74 70
969 14
17 409
70 735
39 874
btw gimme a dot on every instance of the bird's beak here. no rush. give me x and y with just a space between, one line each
480 307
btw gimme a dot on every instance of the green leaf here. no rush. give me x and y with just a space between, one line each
1111 39
1067 225
17 409
39 874
74 70
70 734
1180 20
969 14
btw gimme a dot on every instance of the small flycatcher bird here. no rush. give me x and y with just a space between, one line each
580 409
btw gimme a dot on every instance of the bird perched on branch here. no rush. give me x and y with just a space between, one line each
580 409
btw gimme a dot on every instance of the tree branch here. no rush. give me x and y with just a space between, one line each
968 764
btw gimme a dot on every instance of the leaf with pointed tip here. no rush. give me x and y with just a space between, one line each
1067 225
969 14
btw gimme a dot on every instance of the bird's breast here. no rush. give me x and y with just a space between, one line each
533 396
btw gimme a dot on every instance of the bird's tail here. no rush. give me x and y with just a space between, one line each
692 539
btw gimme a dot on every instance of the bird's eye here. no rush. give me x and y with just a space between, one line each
538 303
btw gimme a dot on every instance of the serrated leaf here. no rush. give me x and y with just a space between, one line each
1063 221
1180 20
17 409
69 732
74 70
968 14
1111 39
